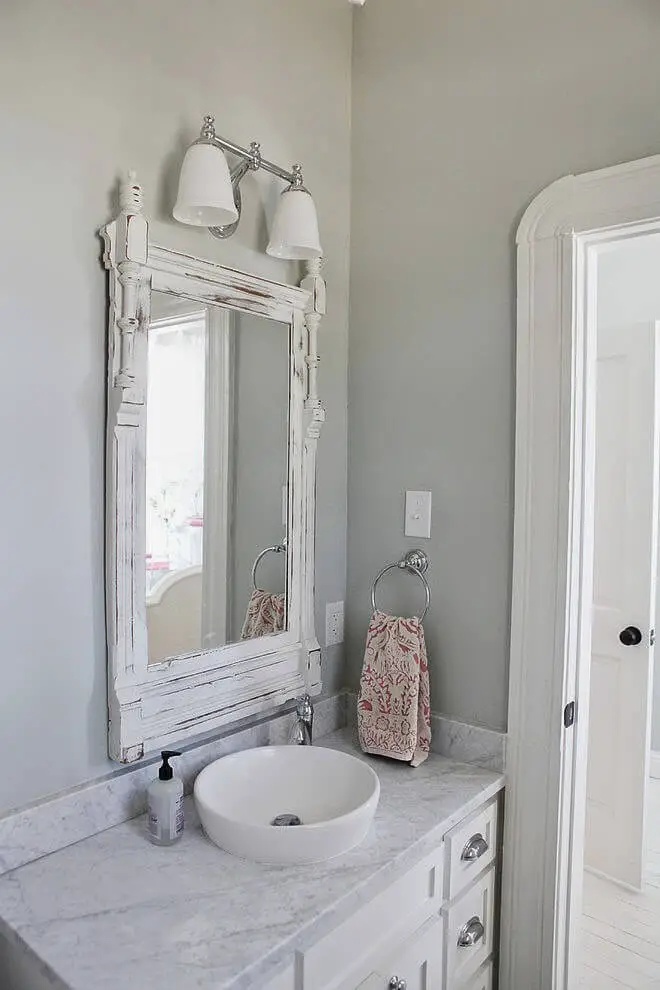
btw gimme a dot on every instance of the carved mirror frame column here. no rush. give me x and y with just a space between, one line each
152 705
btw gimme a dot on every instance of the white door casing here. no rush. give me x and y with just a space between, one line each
624 584
551 594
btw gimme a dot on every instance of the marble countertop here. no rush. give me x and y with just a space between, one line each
114 911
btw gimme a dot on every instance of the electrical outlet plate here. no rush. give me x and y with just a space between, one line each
334 623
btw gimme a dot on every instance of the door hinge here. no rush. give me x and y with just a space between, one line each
652 638
569 715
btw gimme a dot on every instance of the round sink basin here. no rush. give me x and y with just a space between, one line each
287 804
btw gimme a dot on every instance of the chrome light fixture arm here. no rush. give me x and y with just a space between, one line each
251 160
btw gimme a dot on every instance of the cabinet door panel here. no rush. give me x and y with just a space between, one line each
483 980
285 981
341 960
418 964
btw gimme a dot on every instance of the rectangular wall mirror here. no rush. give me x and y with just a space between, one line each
213 421
216 475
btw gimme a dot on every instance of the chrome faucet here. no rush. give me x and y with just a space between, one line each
301 734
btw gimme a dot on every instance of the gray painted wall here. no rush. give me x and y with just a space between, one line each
629 292
462 112
88 89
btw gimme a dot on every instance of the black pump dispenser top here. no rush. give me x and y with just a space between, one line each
166 772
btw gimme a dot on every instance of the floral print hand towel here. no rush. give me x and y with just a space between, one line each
265 615
394 708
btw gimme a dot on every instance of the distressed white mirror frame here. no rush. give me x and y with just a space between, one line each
152 705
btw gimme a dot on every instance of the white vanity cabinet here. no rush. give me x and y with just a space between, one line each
432 929
413 907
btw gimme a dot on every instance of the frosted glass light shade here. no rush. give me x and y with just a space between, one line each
206 197
295 233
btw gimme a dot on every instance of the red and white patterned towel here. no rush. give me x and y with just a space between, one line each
265 615
394 707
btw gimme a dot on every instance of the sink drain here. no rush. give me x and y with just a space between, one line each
284 820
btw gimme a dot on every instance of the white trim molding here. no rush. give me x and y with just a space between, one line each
152 705
550 621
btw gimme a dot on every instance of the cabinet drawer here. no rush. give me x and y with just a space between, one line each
469 926
471 847
482 981
417 964
345 957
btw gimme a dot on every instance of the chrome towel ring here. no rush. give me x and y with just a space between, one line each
415 562
280 548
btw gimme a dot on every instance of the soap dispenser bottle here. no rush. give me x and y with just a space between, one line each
165 799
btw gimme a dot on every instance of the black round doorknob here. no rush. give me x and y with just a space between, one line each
631 636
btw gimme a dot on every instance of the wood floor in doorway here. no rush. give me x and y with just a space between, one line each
621 929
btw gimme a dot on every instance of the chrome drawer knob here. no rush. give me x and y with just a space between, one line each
397 984
475 848
471 933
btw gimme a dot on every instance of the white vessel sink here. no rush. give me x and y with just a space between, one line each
334 795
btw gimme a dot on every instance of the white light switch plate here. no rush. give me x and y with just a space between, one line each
334 623
418 515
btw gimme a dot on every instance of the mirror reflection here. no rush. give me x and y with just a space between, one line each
216 476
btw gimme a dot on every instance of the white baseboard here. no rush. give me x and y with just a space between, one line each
655 764
618 883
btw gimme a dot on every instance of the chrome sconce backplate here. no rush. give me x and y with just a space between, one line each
237 175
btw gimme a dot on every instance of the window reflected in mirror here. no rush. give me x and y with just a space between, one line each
216 477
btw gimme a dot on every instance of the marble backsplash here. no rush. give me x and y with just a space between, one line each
468 743
456 740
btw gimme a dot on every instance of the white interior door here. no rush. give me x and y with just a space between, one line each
625 554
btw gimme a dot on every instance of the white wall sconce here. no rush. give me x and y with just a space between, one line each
210 196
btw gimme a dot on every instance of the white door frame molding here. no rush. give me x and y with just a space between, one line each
558 240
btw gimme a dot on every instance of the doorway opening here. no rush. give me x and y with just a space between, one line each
619 944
